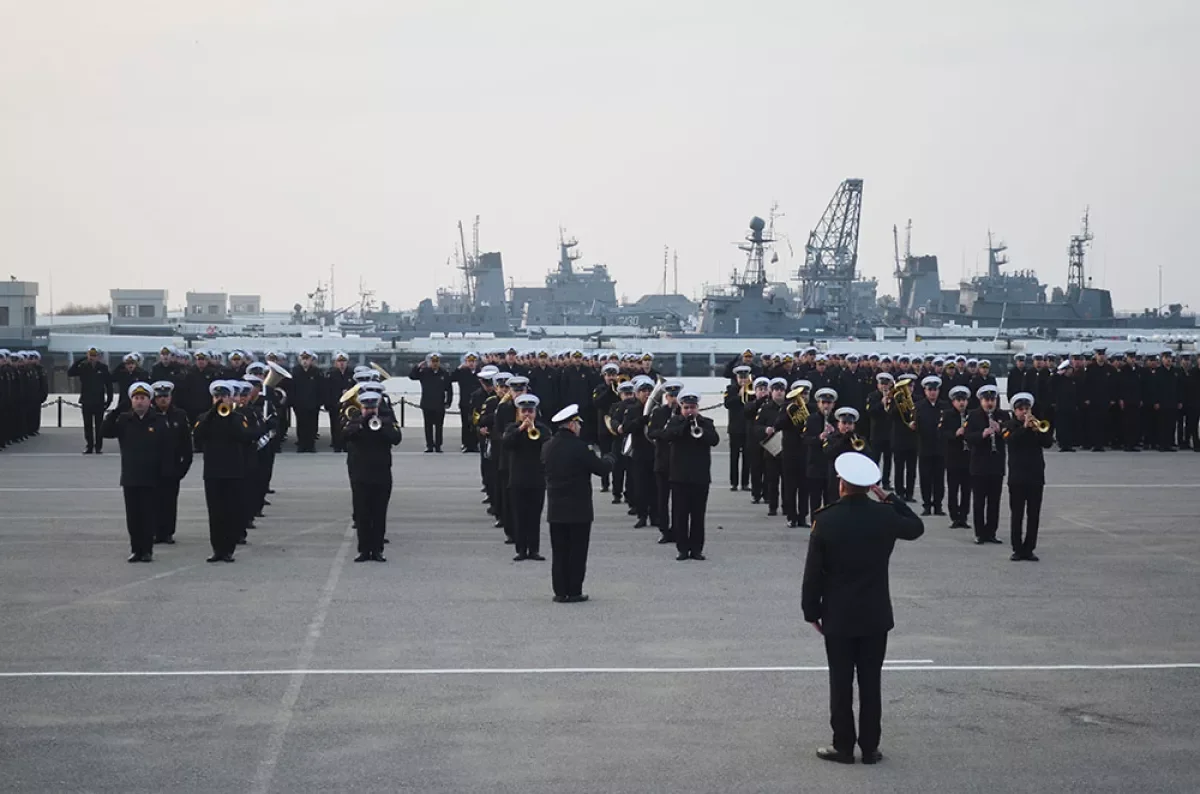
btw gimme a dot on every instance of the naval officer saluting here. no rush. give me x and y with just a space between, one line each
845 597
569 465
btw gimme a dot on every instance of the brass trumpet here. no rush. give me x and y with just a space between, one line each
224 409
857 444
697 431
1041 426
533 433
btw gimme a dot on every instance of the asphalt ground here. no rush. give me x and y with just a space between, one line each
449 669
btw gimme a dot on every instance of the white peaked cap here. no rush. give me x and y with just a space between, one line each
857 469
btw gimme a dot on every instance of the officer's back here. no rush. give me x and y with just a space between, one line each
847 566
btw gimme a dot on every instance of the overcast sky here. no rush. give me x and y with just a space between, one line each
245 146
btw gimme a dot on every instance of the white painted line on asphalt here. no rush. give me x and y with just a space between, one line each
921 666
1079 522
287 706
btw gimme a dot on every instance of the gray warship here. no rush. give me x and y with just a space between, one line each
1017 299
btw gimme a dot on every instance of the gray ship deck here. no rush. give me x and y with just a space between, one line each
296 670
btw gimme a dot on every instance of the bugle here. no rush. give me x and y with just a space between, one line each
224 409
1041 426
374 423
533 434
857 444
696 430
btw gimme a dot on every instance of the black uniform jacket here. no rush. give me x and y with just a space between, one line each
737 409
224 440
437 387
846 573
958 452
691 458
655 429
525 455
881 420
95 382
987 458
144 446
569 465
817 467
305 389
929 420
369 452
179 444
1026 464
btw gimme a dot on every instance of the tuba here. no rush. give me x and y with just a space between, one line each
275 376
798 410
383 373
902 394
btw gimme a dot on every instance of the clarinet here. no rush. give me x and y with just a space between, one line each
992 421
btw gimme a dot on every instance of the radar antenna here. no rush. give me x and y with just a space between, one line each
1075 255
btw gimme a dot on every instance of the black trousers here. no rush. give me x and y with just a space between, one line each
689 501
848 657
933 480
619 469
223 498
527 517
168 510
739 465
772 477
756 456
434 420
818 493
985 490
141 517
93 417
370 510
883 453
906 471
1191 427
569 551
1131 425
505 506
1066 427
959 498
663 515
469 439
642 494
306 428
605 444
1025 502
1166 426
1149 426
335 431
1099 424
795 487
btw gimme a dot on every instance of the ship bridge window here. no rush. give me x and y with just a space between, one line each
696 365
3 315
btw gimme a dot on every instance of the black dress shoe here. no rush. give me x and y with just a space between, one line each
603 489
631 511
1031 557
521 558
756 500
980 541
377 556
641 522
510 542
386 541
830 754
270 490
428 450
577 599
438 450
266 503
134 558
364 557
560 599
498 524
88 451
99 451
537 558
616 499
926 511
993 539
683 555
147 556
772 513
665 539
242 542
1016 556
792 523
733 487
698 556
169 541
872 756
227 558
213 558
937 511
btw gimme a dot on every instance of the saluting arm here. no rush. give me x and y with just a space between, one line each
908 524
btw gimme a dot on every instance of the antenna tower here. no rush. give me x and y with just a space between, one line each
1075 254
996 256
